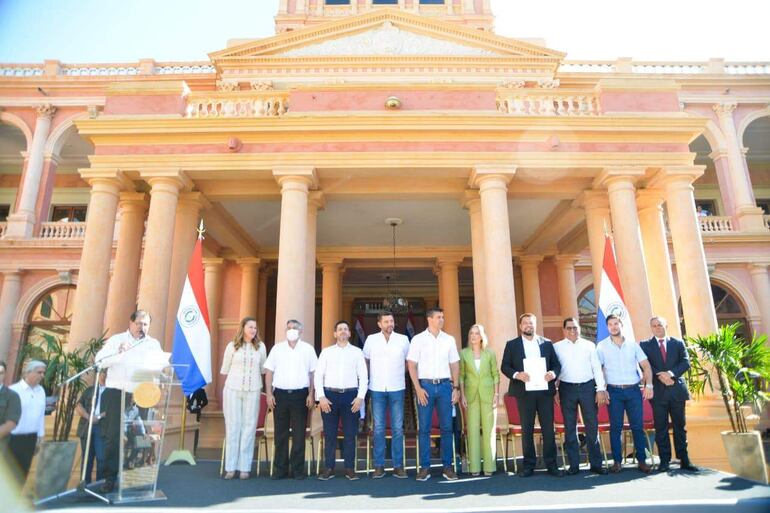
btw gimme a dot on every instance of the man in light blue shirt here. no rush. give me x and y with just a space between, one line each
621 359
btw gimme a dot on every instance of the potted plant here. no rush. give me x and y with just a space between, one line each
742 370
57 455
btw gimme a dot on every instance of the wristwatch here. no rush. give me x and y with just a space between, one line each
455 387
648 385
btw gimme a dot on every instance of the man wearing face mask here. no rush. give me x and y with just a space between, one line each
290 392
119 356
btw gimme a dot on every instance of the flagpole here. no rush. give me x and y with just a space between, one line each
181 454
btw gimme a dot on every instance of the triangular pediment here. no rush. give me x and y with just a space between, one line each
386 33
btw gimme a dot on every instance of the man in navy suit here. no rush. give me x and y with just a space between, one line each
533 402
669 361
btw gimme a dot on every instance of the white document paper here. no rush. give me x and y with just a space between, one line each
536 369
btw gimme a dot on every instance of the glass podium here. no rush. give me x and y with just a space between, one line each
145 406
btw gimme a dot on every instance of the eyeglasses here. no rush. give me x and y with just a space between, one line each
571 328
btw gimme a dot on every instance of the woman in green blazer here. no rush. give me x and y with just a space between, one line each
479 381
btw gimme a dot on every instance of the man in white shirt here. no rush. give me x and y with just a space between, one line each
340 388
386 353
434 367
30 430
581 383
121 355
289 388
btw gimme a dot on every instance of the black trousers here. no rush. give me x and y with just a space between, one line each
22 450
540 404
661 411
111 426
572 395
290 414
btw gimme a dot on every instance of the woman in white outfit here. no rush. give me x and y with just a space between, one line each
243 363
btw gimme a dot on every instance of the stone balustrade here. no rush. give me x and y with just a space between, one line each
71 70
716 224
63 231
238 104
21 70
538 104
713 66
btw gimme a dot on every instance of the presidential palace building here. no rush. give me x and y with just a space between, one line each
503 162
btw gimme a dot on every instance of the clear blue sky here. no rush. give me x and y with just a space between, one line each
127 30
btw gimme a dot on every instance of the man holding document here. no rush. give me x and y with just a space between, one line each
531 364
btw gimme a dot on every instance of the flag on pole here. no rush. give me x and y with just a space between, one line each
360 329
611 297
192 336
409 325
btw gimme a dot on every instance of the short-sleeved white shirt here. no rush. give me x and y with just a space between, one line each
291 367
387 361
433 354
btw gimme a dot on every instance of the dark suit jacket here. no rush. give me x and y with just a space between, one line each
513 361
677 361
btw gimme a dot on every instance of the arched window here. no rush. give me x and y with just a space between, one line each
587 313
51 315
729 309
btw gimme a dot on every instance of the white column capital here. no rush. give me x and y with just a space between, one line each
12 273
192 201
448 262
529 260
676 176
296 177
330 262
615 177
566 261
725 109
471 201
171 180
649 199
592 200
46 111
488 174
758 267
113 178
249 262
213 263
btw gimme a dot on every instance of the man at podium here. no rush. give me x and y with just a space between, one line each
121 354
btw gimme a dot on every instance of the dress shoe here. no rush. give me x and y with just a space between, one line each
326 474
351 474
689 467
229 475
399 473
616 468
244 475
379 472
489 474
555 472
299 476
644 468
527 472
423 474
449 474
664 467
573 470
276 477
599 470
107 487
475 474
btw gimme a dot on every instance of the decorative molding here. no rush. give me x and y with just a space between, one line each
387 40
46 111
261 85
227 86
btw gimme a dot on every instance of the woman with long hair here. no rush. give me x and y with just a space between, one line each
479 382
243 362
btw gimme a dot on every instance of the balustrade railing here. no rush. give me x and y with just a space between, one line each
716 224
238 104
63 231
524 104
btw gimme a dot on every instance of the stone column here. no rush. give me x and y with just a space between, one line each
212 280
330 302
492 182
761 281
597 207
565 273
186 225
21 223
315 202
125 275
450 296
158 248
264 275
9 300
749 216
94 274
45 190
657 258
530 281
472 202
628 244
692 273
292 257
249 286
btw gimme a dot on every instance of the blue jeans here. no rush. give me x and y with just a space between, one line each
95 453
340 410
439 396
630 401
381 401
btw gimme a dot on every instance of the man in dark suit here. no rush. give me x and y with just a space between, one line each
533 402
669 361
